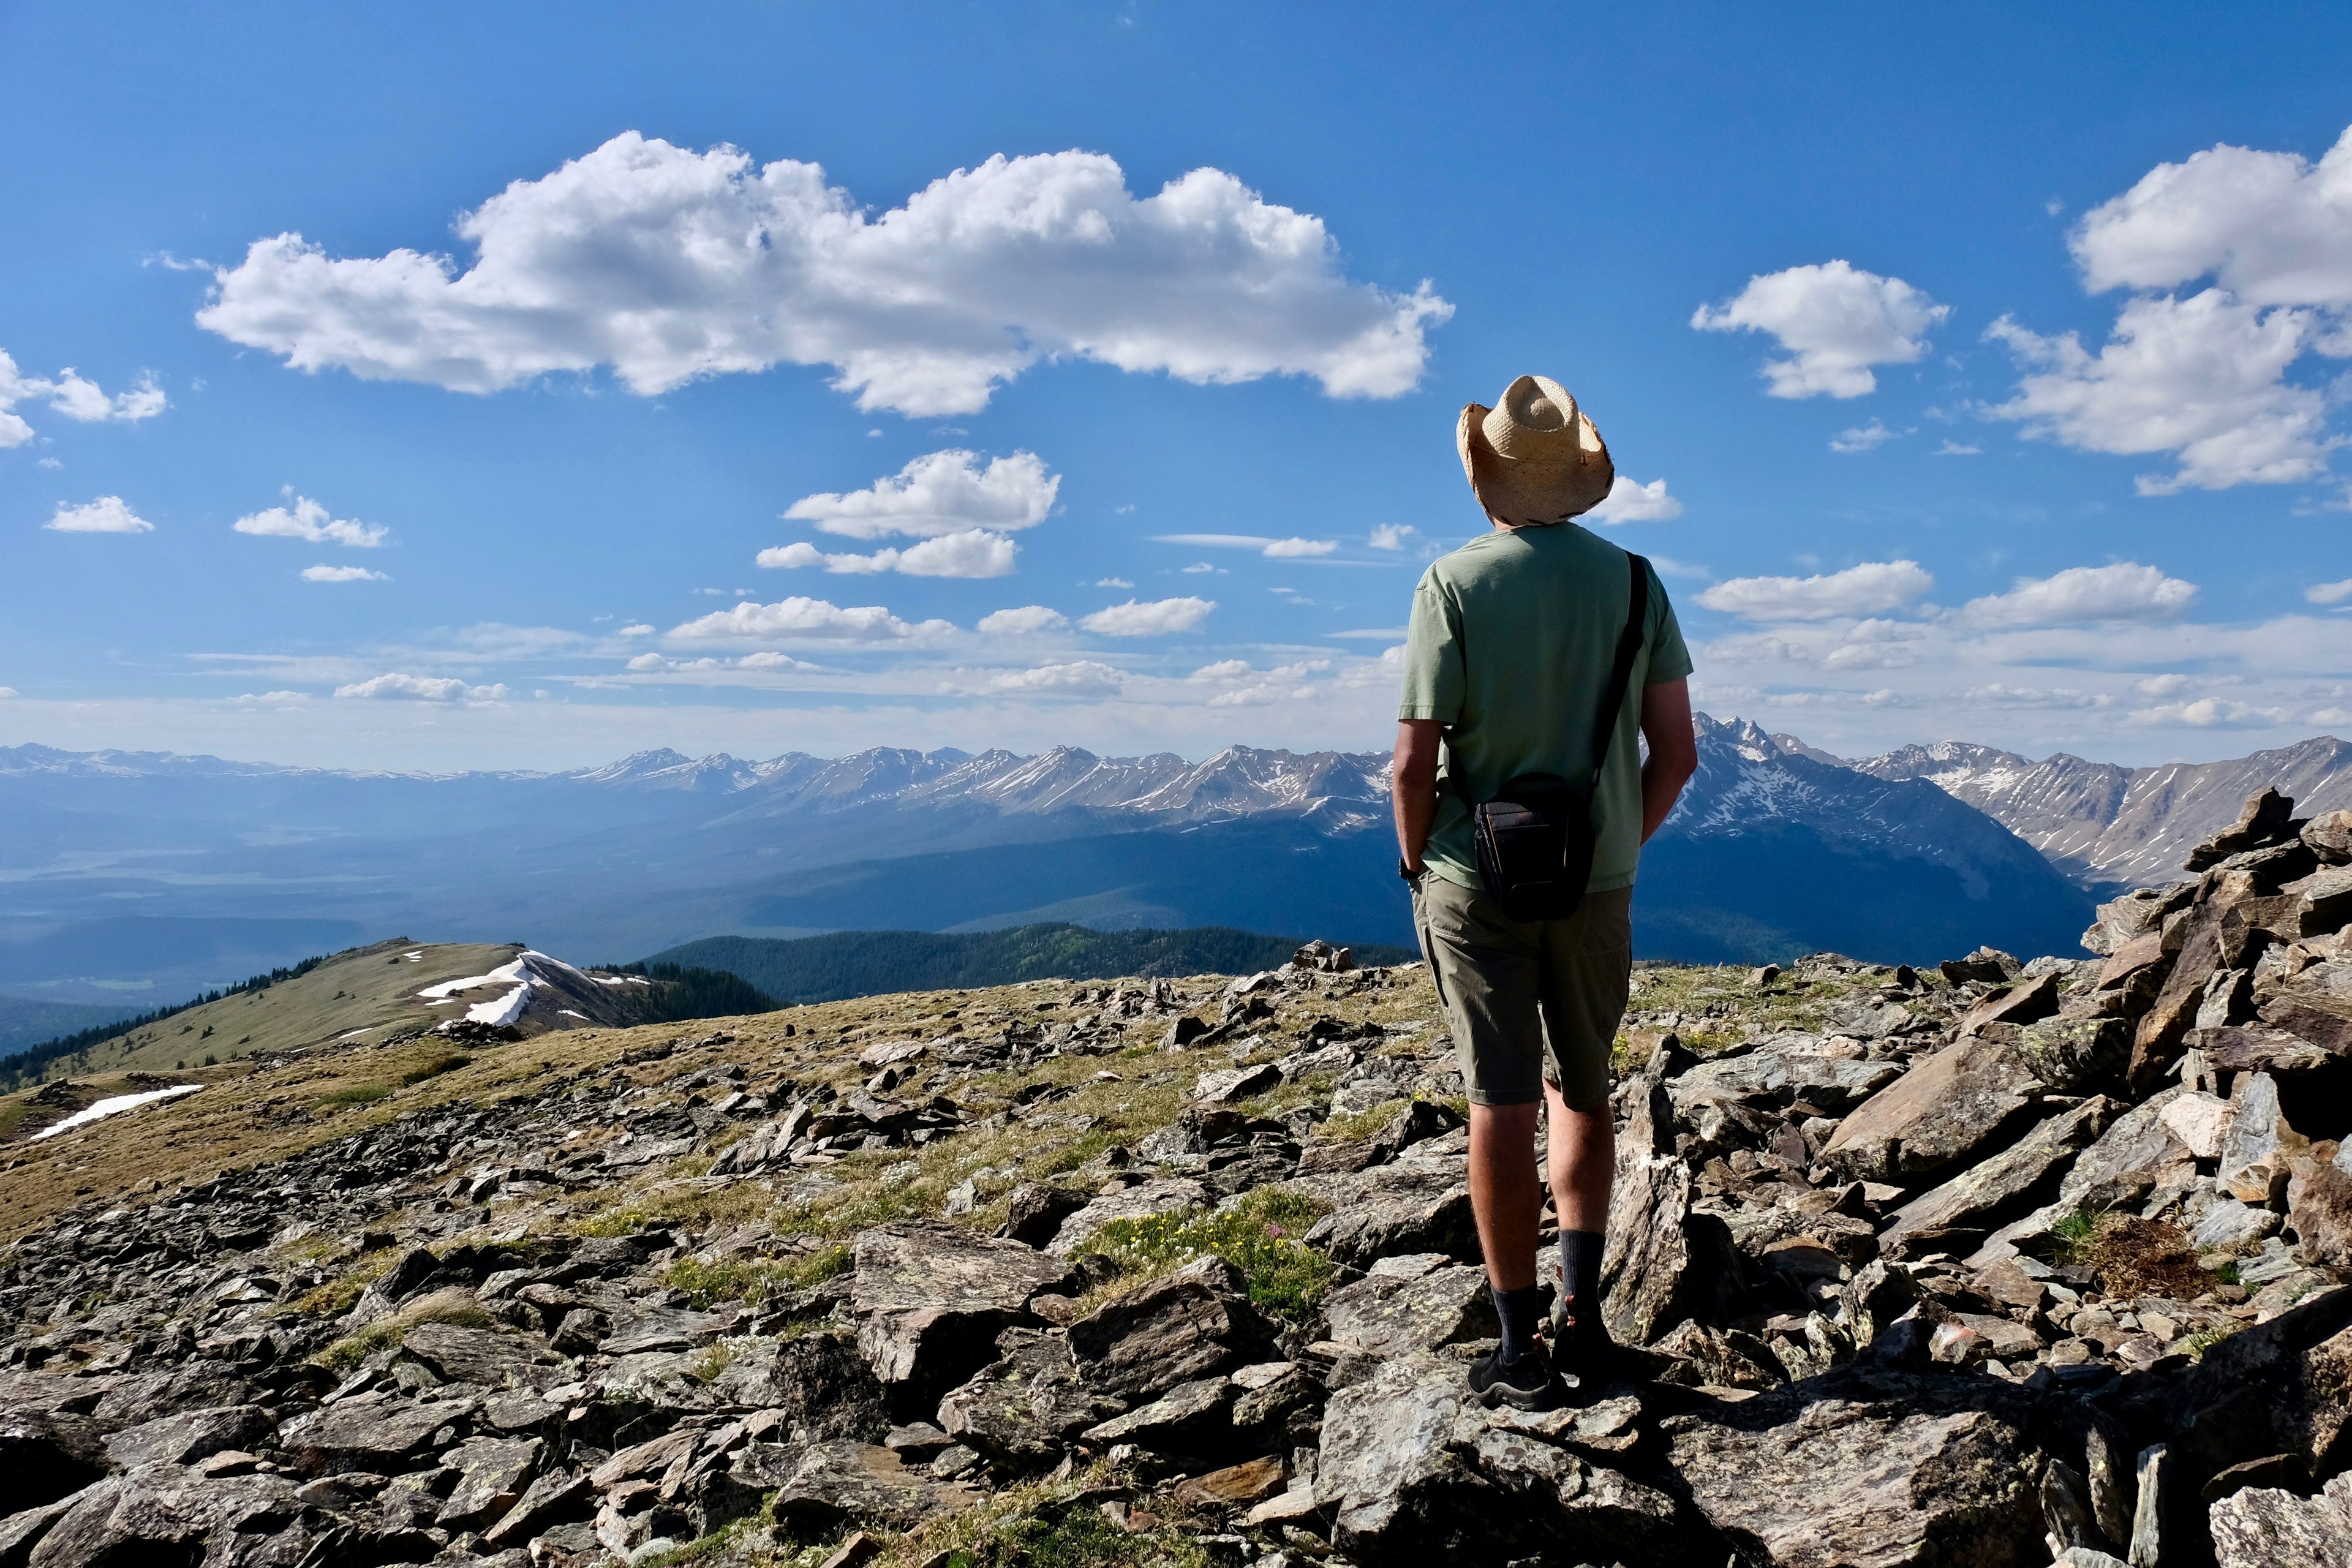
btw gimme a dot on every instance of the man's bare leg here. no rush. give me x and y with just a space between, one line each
1582 1160
1504 1192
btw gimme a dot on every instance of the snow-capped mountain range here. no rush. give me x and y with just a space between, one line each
123 872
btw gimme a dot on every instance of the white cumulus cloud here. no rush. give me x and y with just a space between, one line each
2209 714
1629 500
2329 593
812 620
71 395
1150 618
974 552
341 575
1863 437
106 514
1023 620
399 688
939 492
1083 677
2273 229
309 521
2201 378
669 264
1392 535
1834 320
2126 591
1871 588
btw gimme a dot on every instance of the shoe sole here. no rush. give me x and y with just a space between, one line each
1533 1401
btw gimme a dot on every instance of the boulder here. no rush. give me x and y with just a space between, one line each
2248 1162
1026 1409
2319 1207
1665 1262
1420 1203
1418 1302
1831 1075
191 1436
1231 1086
1386 1468
825 1486
553 1499
2217 938
1868 1471
2265 819
2074 1053
2328 836
1235 1487
1945 1111
1035 1211
479 1356
933 1298
2277 1388
1191 1419
1189 1324
817 1384
45 1456
492 1475
2127 1159
1994 1191
2027 1002
2324 901
2262 1527
764 1147
370 1434
164 1514
1577 1510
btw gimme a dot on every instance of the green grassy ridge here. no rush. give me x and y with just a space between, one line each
847 963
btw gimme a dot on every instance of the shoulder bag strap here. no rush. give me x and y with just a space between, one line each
1629 644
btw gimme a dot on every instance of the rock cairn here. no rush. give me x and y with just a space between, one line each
1994 1263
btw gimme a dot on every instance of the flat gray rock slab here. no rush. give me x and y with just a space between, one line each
2262 1527
1872 1482
1414 1302
1941 1113
914 1268
1991 1190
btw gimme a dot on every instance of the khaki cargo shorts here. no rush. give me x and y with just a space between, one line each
1528 1002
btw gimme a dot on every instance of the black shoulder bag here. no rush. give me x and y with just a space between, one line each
1535 836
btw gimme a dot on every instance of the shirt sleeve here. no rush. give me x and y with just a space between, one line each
1669 659
1433 658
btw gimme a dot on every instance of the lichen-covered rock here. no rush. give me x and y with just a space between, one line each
1945 1111
1992 1191
1386 1468
191 1436
1414 1302
934 1297
1665 1262
370 1432
1191 1324
1420 1203
817 1385
163 1513
2262 1527
1868 1473
1026 1409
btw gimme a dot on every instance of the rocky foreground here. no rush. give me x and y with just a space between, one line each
1995 1264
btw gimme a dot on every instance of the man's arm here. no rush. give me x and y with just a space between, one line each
1674 755
1413 785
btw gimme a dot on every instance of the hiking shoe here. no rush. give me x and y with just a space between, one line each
1528 1383
1586 1351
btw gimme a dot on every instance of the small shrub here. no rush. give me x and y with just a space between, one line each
1259 1236
708 1284
449 1061
706 1367
356 1094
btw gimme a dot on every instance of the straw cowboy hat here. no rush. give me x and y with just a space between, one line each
1534 457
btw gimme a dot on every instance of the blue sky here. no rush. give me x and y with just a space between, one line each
1088 373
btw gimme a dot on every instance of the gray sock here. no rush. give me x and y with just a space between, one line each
1520 1310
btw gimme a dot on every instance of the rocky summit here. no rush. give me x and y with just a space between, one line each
1996 1263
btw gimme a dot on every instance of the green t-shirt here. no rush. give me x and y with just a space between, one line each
1512 638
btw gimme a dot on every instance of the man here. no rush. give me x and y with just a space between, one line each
1513 643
